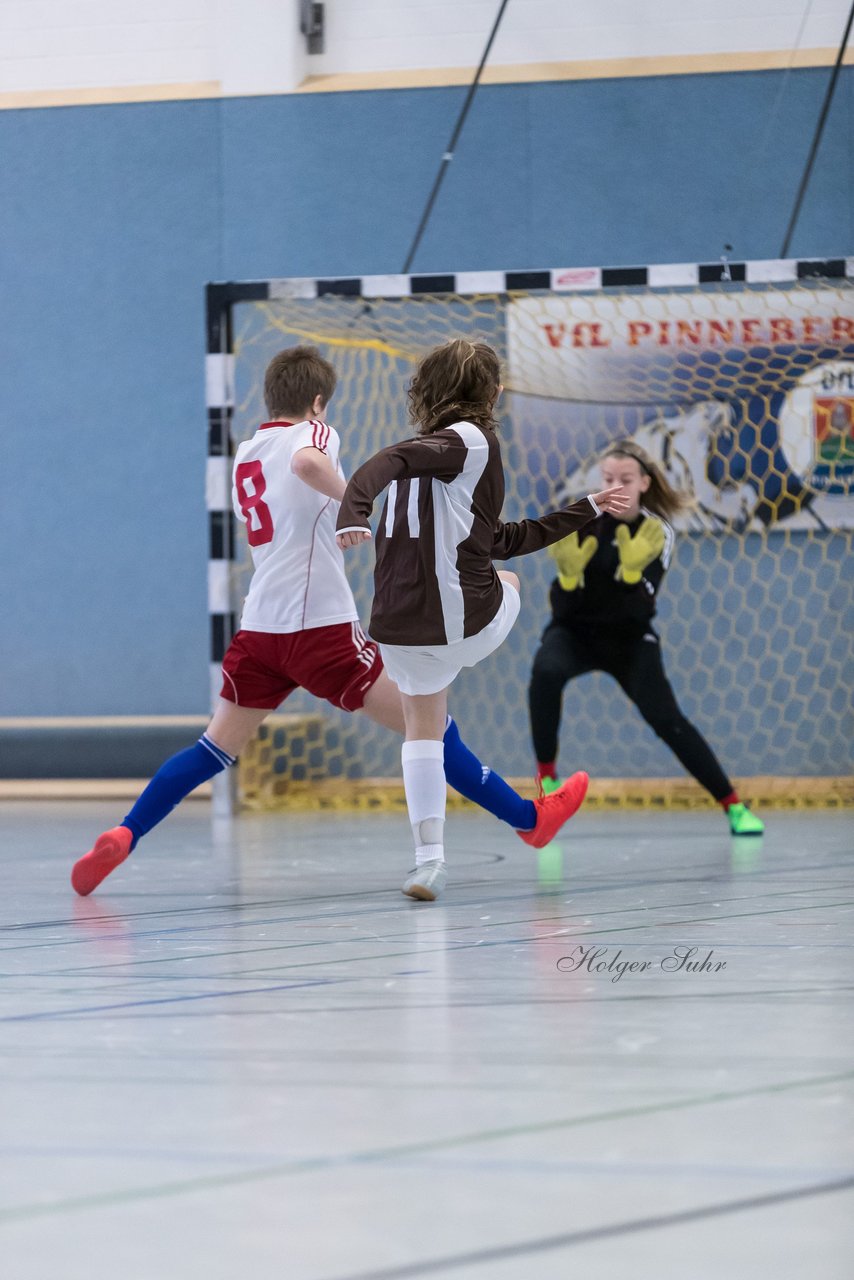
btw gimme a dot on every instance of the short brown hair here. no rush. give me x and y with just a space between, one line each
293 378
457 382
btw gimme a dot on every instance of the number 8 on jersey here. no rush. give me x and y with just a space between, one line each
259 522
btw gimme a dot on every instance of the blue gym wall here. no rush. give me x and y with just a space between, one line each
114 217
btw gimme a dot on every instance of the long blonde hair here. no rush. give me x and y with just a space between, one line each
457 382
660 498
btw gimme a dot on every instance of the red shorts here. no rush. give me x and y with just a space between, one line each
338 664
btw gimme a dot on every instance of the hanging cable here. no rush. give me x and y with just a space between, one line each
448 155
762 149
828 98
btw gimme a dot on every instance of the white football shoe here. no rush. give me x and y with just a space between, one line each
427 881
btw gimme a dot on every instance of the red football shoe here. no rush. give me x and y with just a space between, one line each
555 809
108 852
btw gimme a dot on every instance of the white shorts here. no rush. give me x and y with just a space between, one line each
420 670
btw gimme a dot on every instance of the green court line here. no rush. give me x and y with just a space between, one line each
214 1182
249 949
323 917
562 937
557 938
614 996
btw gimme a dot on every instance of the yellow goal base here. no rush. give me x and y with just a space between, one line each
292 766
295 764
386 794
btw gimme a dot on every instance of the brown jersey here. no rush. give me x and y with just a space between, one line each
434 581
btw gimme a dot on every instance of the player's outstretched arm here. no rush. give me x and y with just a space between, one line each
520 538
315 469
442 455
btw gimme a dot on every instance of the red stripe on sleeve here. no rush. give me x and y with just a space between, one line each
320 436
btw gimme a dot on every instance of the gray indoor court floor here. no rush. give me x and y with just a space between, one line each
248 1055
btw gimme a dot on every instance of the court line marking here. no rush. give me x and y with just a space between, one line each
667 988
418 953
214 1182
602 1168
48 1015
368 1058
463 925
561 936
408 1007
600 884
573 892
591 1235
74 1079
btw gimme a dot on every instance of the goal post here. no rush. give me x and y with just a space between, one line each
737 377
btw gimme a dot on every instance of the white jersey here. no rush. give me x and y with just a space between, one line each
299 580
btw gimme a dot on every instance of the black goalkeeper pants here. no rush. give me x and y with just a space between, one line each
637 667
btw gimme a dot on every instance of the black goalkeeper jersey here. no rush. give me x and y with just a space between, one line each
605 601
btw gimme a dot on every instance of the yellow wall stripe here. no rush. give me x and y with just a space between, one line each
99 96
438 77
599 69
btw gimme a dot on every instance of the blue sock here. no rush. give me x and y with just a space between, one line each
473 780
180 775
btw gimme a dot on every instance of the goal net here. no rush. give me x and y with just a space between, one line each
743 392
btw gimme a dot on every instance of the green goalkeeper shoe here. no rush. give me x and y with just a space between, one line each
549 785
744 823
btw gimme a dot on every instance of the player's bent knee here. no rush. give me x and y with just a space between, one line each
231 749
546 673
232 727
382 704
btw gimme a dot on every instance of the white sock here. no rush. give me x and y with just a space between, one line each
426 792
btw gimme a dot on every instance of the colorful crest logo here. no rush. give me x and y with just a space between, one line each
833 428
817 428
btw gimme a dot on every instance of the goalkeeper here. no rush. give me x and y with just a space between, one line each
603 603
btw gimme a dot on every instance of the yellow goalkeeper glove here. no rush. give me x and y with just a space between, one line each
572 558
639 551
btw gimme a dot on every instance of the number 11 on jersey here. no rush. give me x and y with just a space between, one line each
259 522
